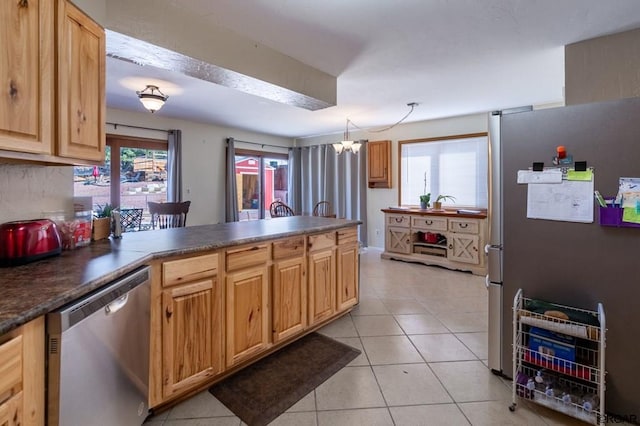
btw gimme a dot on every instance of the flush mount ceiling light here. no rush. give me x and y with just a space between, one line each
152 98
348 145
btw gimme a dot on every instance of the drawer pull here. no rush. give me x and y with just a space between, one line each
398 219
463 225
428 222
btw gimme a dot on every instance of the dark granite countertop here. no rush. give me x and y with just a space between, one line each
29 291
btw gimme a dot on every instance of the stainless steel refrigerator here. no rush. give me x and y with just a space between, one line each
576 264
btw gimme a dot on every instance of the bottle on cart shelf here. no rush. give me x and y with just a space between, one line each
590 401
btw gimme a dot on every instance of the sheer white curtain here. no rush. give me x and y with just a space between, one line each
317 173
174 166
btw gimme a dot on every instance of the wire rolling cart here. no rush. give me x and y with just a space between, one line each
557 362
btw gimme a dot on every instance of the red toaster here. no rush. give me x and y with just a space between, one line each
27 241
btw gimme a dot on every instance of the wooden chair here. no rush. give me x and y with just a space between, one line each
168 215
323 208
130 219
280 209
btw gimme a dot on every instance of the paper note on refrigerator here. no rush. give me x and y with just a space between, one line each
570 201
544 176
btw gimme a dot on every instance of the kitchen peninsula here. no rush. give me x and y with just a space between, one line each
258 285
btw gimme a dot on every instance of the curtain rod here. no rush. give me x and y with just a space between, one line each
115 125
262 144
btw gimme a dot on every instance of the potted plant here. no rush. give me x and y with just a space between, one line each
437 204
424 201
102 222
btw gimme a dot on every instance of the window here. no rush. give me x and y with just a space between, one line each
135 172
261 178
453 165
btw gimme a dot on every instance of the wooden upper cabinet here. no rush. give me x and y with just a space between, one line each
81 85
27 76
379 164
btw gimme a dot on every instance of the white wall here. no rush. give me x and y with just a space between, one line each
203 157
378 199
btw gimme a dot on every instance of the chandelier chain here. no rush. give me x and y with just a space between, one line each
412 105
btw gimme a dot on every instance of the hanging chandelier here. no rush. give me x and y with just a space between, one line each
347 145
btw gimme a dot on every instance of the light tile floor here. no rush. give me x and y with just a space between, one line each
423 335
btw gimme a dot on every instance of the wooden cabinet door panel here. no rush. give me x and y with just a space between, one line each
26 76
187 335
322 285
81 82
398 240
11 412
463 248
347 293
379 164
247 313
289 298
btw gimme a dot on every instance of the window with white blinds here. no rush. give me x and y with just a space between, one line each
455 166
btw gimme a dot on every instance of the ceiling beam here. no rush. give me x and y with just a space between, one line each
174 38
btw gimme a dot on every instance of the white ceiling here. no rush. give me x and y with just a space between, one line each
452 57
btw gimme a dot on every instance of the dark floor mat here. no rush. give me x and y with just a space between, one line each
264 390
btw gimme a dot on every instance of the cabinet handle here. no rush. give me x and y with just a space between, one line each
168 312
23 3
463 225
398 219
450 246
428 222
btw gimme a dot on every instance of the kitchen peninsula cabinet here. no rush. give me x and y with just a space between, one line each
247 286
436 237
322 277
347 269
22 375
192 321
53 108
289 288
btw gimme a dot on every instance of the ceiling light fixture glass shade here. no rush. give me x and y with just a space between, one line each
152 98
347 145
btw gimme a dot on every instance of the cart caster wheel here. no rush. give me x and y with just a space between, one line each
512 407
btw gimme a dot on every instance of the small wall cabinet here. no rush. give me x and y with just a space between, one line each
379 164
438 238
54 110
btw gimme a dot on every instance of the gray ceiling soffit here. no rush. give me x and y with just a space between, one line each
140 52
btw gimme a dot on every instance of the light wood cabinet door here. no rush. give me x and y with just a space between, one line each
81 85
379 162
247 313
398 240
289 313
11 411
322 285
347 283
463 248
22 384
27 76
191 334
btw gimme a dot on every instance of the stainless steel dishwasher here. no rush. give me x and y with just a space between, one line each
98 353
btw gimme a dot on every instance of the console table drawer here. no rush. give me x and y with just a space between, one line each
431 223
398 220
464 226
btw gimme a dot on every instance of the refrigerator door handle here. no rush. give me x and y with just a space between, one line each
486 281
